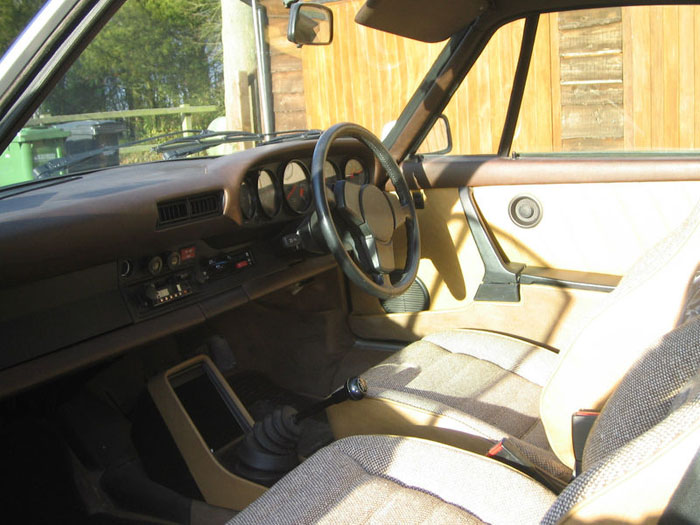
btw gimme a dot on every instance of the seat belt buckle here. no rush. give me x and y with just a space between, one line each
581 424
499 451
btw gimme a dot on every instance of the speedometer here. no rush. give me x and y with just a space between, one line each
355 172
297 191
267 193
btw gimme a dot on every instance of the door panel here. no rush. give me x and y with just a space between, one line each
595 227
599 227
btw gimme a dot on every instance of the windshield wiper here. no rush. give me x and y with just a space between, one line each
293 134
49 168
183 146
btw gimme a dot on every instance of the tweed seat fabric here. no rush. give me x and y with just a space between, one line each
385 479
654 412
489 382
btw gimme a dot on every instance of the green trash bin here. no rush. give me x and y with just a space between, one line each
31 147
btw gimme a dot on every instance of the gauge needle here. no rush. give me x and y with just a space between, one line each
291 192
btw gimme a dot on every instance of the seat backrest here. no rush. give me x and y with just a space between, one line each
647 303
645 439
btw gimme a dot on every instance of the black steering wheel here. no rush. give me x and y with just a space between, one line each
368 218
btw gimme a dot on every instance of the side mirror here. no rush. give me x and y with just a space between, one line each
438 141
310 24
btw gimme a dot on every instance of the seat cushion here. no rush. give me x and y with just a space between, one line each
383 479
489 382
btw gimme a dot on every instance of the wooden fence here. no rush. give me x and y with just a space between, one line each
601 79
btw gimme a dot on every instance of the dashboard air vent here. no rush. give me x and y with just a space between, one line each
170 212
205 205
189 208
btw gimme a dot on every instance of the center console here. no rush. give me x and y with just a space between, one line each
207 421
231 458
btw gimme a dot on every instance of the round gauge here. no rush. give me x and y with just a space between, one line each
246 200
330 173
297 190
173 260
267 193
355 172
155 265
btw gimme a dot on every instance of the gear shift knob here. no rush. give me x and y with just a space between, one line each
356 387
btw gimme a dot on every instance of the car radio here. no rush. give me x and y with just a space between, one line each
176 288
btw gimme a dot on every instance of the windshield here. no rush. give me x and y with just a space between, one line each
163 68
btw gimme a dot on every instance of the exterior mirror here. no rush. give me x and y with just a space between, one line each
438 141
310 24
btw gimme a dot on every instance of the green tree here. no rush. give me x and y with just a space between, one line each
153 53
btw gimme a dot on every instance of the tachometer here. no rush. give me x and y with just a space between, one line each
355 172
268 194
296 187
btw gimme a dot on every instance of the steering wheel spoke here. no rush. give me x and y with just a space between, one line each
382 256
347 199
330 197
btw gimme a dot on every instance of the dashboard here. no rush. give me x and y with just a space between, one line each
96 264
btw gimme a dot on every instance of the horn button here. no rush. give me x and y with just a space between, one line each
377 213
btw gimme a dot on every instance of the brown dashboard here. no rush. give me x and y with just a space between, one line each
95 264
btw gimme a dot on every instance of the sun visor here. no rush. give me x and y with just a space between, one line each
428 21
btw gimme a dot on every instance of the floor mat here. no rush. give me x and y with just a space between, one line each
261 396
38 481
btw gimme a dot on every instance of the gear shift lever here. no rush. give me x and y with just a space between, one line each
269 451
354 389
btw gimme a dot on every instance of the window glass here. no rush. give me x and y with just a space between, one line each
619 79
163 66
477 109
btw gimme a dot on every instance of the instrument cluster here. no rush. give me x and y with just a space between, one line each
284 190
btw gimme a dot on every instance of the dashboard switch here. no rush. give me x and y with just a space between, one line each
188 253
291 241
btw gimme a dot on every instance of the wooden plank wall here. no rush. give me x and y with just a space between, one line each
601 79
289 102
662 58
380 87
590 58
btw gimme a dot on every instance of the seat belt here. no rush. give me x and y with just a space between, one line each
508 452
581 424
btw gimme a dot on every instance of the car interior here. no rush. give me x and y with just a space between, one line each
488 335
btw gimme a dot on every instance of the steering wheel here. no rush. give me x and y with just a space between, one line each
366 218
